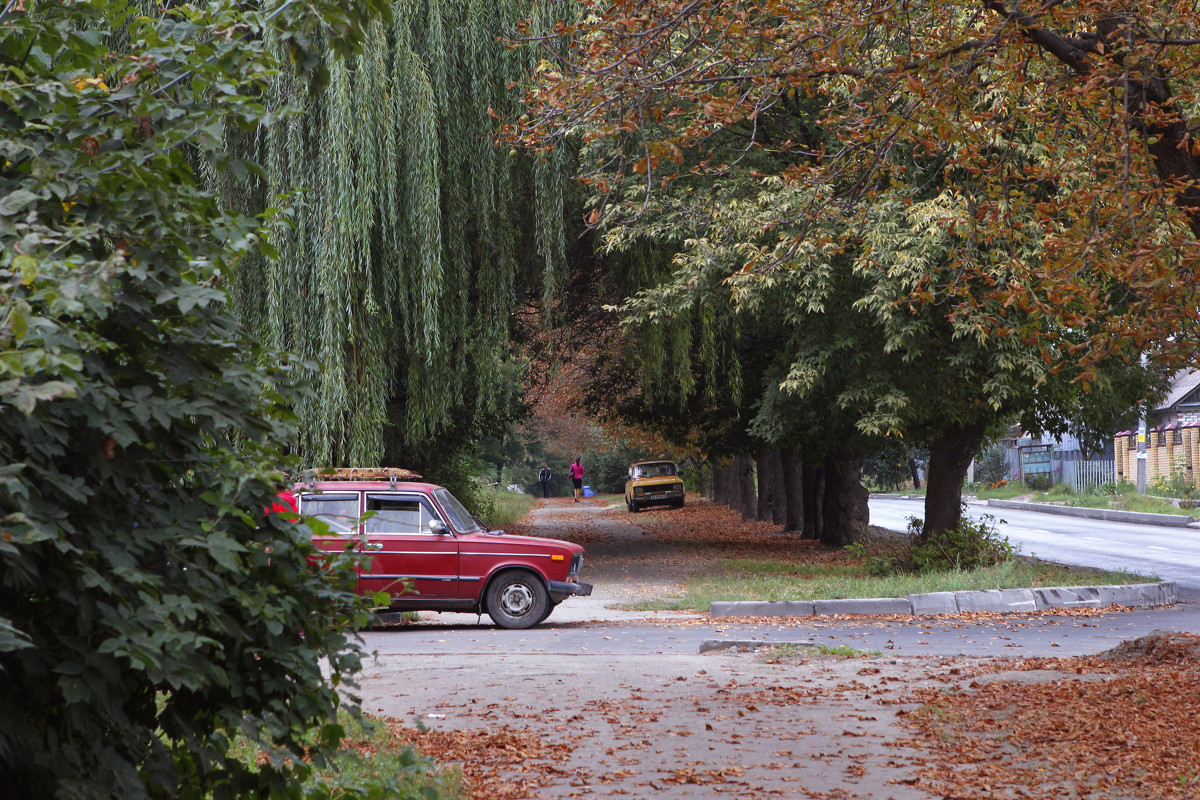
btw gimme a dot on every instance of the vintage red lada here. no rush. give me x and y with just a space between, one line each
429 554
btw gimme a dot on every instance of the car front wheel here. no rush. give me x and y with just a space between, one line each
517 600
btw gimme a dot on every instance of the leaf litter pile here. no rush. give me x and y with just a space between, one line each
1124 724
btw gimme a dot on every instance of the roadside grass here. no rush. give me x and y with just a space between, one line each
1007 492
733 579
507 507
1125 497
374 763
789 653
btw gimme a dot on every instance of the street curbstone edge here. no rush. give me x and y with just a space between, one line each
1004 601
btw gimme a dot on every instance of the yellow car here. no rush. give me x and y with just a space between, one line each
652 483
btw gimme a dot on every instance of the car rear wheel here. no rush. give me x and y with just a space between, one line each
517 600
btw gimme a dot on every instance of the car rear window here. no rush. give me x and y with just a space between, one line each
338 511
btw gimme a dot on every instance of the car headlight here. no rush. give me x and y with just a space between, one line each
639 490
576 565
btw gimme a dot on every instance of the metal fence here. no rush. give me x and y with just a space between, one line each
1082 474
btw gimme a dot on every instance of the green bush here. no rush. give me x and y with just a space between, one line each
459 474
973 544
151 608
991 467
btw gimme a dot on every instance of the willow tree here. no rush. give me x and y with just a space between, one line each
405 234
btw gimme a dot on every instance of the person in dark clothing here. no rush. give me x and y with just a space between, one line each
544 479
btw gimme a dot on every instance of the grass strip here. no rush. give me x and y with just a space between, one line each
733 579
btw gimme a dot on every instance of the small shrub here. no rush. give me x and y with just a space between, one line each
1039 482
974 544
991 466
971 545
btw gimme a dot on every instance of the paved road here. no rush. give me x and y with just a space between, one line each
639 712
592 626
1171 554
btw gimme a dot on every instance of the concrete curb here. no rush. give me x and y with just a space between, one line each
1136 517
1004 601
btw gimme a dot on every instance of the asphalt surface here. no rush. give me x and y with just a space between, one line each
1171 554
641 711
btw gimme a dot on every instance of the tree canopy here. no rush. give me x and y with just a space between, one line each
935 212
1062 131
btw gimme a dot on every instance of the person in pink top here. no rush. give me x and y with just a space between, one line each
575 473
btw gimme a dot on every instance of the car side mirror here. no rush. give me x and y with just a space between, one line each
437 526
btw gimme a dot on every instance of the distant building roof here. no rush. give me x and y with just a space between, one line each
1183 384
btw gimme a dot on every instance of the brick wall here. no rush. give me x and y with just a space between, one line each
1168 450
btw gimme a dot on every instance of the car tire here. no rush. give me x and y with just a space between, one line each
517 600
549 607
634 507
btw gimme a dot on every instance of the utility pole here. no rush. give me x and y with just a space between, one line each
1141 442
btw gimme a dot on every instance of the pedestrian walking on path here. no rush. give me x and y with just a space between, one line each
575 473
544 479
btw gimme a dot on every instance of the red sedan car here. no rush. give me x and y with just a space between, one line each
429 554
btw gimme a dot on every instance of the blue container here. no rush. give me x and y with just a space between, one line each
587 491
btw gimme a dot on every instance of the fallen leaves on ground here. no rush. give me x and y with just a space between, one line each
499 764
1124 724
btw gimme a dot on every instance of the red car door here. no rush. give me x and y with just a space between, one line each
409 560
341 512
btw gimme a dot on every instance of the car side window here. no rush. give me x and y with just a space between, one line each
397 514
338 511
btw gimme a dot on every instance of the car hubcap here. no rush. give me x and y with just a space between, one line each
516 600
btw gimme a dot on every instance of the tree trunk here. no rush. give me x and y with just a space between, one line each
766 492
747 501
813 481
916 473
846 510
721 488
792 489
949 458
781 498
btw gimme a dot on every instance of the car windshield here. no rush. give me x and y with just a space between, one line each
654 470
460 519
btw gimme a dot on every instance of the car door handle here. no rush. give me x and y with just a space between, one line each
373 546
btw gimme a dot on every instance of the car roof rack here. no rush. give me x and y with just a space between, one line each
392 474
